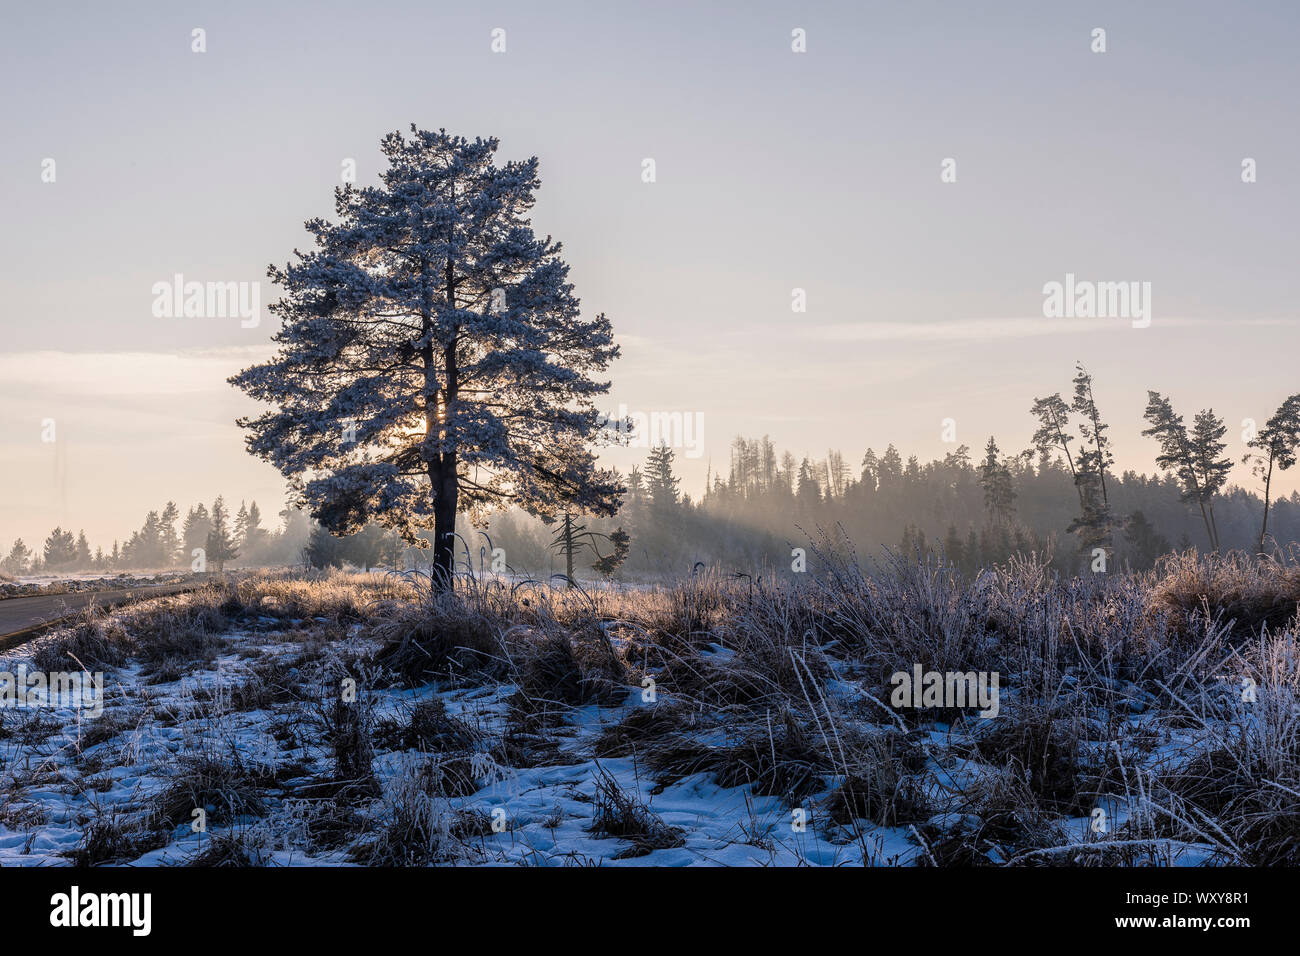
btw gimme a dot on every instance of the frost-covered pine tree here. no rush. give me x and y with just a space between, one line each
432 358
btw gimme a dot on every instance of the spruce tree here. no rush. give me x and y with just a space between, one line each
220 546
19 558
660 481
169 542
1146 544
254 533
60 549
995 479
194 533
241 523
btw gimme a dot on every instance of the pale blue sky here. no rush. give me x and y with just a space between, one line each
775 170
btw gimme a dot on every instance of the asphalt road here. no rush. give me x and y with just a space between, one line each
21 615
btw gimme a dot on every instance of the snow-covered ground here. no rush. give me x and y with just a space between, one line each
26 585
62 771
70 783
47 579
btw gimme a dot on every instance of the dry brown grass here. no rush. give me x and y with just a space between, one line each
617 813
1244 592
1097 673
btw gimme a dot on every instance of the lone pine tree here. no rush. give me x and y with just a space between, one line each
1207 451
1094 525
432 358
1089 462
1274 447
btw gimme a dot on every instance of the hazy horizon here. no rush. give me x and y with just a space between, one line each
775 171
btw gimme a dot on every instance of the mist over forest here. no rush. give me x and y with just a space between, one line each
749 519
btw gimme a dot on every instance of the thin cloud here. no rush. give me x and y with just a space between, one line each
124 373
979 330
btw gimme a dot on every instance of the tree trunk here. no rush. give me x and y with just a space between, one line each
1189 470
1101 461
1069 459
447 482
1206 518
1268 480
568 549
444 522
444 477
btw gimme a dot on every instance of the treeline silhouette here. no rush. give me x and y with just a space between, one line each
210 539
1059 499
769 503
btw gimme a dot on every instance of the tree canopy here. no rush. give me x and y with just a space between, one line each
432 355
